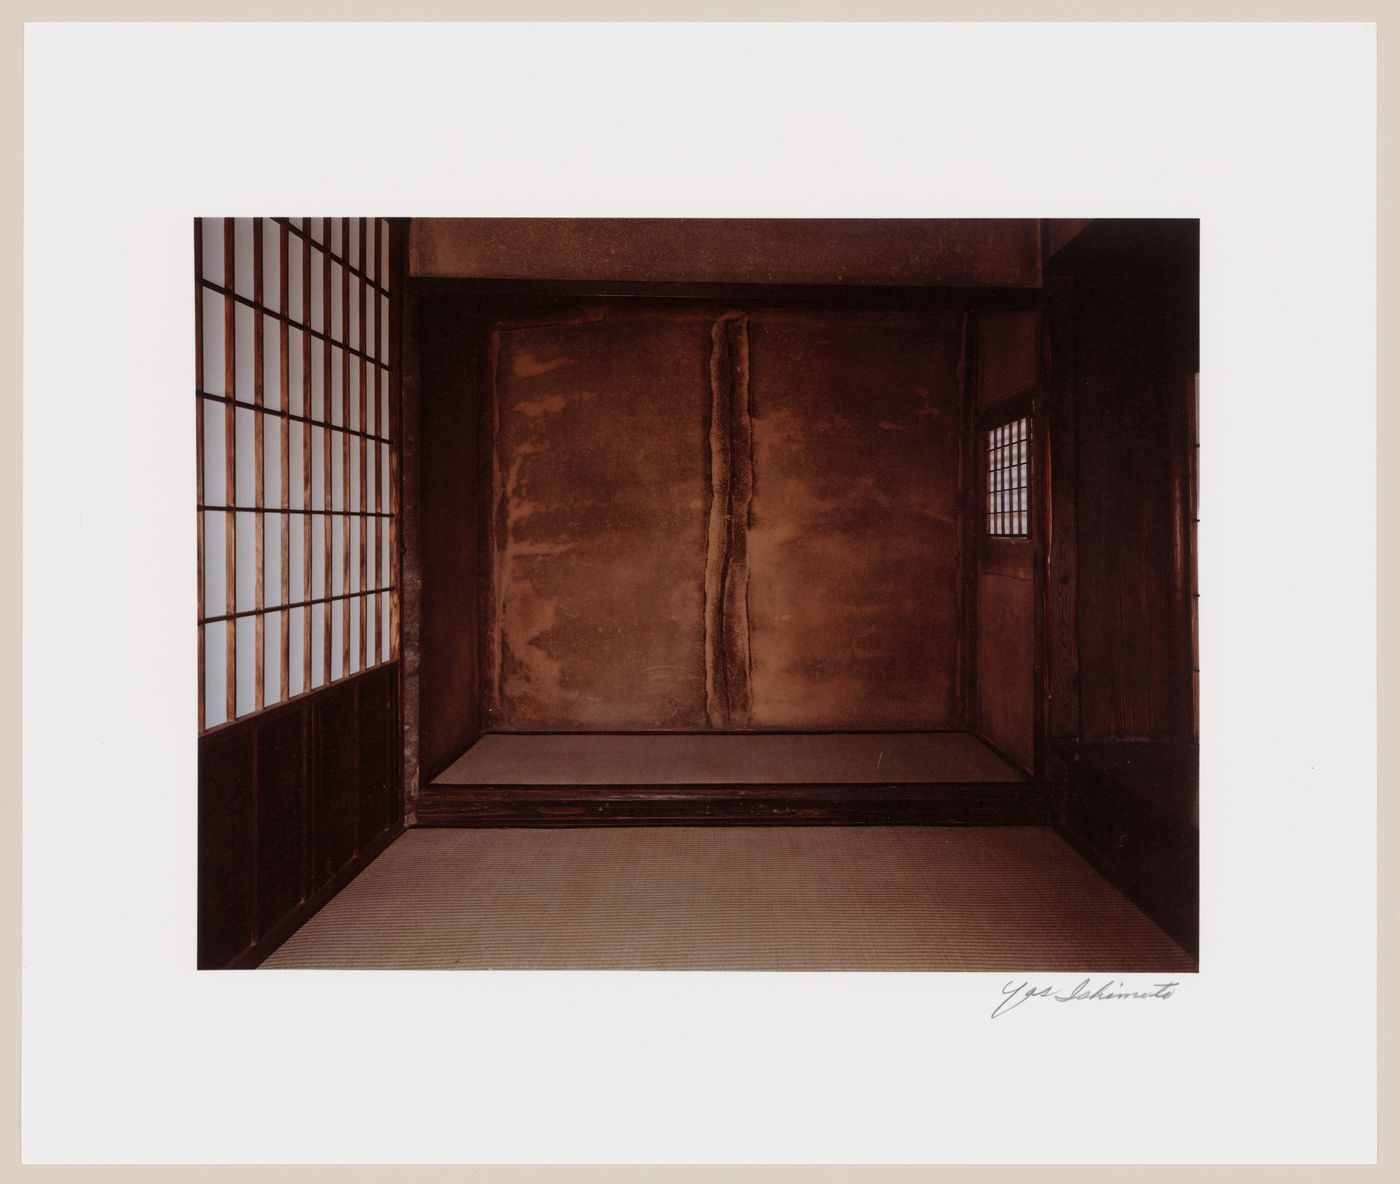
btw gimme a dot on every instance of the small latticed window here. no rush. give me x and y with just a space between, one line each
1008 482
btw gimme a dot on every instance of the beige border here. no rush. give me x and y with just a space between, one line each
10 457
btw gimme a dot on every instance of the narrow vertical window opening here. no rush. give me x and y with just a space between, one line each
1008 479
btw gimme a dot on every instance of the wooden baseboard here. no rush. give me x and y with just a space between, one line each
964 804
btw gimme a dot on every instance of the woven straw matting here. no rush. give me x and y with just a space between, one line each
733 898
869 758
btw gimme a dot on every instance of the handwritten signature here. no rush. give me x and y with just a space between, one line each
1015 994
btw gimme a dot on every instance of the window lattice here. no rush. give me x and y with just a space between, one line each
297 506
1008 481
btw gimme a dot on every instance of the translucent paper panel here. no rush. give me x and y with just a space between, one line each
295 362
1008 485
272 264
273 526
318 556
213 330
296 466
337 627
243 324
318 468
338 555
272 460
355 300
337 446
215 591
337 331
246 568
296 567
272 658
318 379
214 477
318 645
215 674
308 334
211 238
296 639
384 256
243 256
337 385
244 456
296 307
272 363
318 293
352 410
247 664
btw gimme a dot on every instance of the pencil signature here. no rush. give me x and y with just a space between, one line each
1014 994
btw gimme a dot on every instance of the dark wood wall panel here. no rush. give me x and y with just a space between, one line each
411 534
226 847
854 538
598 519
1008 376
293 802
448 460
1123 343
336 767
1130 808
1006 663
1059 232
1057 431
1008 355
374 760
281 871
1133 391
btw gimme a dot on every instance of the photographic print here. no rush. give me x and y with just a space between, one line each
710 594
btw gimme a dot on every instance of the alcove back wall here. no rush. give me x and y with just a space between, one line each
723 517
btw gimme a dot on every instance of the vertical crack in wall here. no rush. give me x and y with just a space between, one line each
727 694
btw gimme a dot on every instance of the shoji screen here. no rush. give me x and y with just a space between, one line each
296 434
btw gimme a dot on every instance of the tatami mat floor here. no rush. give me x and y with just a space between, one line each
603 758
732 898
